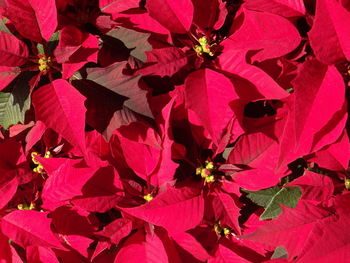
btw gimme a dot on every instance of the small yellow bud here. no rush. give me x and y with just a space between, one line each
217 229
227 231
198 49
210 179
39 168
203 41
347 183
33 154
209 165
26 207
205 173
148 197
44 64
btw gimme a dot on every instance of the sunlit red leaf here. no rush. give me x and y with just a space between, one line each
61 107
176 210
13 53
34 19
28 228
329 34
176 16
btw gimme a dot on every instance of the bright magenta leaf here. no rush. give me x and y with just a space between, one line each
316 187
176 16
65 182
291 229
331 241
313 121
271 35
226 210
41 254
164 62
140 248
256 179
28 227
285 8
116 230
330 33
263 85
335 156
61 107
176 210
13 52
34 19
210 94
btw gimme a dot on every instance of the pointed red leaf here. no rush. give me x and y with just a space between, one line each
191 245
291 229
256 179
331 241
176 16
272 35
61 107
176 210
287 8
8 188
210 94
65 182
226 211
317 187
13 52
335 156
234 62
41 254
28 227
164 62
209 13
256 150
34 19
313 121
330 33
116 230
225 255
138 248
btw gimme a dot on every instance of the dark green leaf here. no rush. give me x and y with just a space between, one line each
272 198
13 105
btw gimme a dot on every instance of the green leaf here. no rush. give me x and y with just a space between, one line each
3 27
13 105
272 198
40 48
280 252
134 40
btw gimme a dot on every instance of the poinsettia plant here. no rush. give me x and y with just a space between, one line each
174 131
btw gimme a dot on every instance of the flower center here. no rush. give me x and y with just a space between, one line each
204 47
39 168
206 172
44 64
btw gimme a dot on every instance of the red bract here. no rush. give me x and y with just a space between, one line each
174 131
